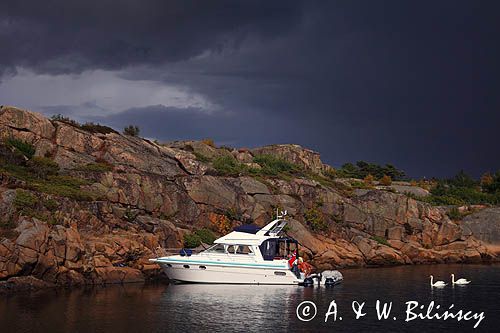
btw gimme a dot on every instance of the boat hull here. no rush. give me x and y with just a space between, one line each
228 275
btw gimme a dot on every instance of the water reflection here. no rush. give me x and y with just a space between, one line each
218 307
193 307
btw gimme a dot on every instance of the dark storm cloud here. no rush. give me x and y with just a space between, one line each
409 83
70 36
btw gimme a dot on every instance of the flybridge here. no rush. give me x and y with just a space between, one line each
272 229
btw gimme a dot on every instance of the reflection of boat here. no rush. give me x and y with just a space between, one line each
248 255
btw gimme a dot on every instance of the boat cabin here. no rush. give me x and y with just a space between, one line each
265 242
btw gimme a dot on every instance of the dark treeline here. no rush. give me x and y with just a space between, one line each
463 189
362 169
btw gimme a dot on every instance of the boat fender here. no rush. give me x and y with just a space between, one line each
186 252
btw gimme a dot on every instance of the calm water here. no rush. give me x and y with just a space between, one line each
217 308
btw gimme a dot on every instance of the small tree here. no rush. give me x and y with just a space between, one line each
209 142
386 180
368 180
486 180
131 130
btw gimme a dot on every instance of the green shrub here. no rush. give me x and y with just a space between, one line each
386 180
273 166
228 166
363 169
200 157
89 126
233 214
131 130
64 119
380 240
315 219
43 167
23 147
198 237
191 241
51 204
359 184
129 215
330 173
10 156
97 128
25 200
206 236
209 142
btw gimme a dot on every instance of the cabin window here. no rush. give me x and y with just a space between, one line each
203 267
169 265
244 249
232 249
280 273
186 266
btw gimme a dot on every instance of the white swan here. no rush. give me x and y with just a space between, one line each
438 284
459 281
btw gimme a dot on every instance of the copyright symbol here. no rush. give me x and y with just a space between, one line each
306 311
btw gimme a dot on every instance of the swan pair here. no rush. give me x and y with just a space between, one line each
440 284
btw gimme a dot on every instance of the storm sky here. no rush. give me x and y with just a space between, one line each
412 83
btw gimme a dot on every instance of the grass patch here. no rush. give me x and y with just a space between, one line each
51 204
65 186
273 166
229 166
380 240
58 185
201 158
43 167
42 174
25 200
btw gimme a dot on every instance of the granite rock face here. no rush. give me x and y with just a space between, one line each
153 194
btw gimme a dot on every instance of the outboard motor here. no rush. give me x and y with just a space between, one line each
308 282
329 282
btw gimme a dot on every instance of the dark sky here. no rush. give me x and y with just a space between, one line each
413 83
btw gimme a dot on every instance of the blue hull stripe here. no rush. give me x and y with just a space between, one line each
217 263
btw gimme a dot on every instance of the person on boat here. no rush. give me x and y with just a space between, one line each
293 259
304 267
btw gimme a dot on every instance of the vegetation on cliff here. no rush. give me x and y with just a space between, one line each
40 173
89 126
362 169
464 190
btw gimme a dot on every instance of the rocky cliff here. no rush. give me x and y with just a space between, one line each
117 200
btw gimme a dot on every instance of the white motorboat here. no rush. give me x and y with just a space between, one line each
248 255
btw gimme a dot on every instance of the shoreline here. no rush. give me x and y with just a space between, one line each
28 284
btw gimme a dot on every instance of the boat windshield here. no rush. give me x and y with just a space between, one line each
217 248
